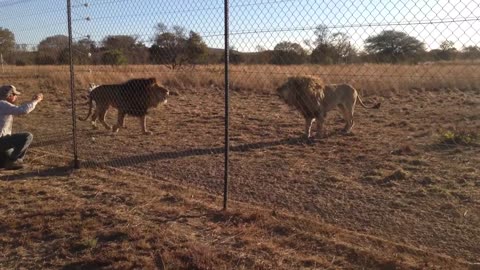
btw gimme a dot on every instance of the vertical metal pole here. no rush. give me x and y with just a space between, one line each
76 164
1 61
227 86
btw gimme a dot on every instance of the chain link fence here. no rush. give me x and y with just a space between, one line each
391 52
33 39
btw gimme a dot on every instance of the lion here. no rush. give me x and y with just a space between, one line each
133 97
314 99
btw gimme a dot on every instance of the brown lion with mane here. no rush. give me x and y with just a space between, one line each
133 97
313 100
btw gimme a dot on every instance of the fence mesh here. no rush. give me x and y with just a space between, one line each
411 56
31 50
184 140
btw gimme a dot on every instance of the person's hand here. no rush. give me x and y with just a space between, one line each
38 97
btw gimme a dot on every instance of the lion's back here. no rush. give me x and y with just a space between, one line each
106 94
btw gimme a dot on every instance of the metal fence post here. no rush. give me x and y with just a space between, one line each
76 164
227 146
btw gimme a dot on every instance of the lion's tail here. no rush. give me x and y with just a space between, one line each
90 105
375 106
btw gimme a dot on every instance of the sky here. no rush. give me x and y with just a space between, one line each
253 23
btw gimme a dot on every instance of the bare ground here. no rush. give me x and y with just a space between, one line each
391 196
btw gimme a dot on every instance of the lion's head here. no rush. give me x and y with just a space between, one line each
301 92
159 95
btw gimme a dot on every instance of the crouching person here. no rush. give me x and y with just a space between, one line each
13 146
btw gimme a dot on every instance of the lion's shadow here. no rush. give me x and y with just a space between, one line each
132 160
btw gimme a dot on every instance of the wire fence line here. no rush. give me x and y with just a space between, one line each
136 49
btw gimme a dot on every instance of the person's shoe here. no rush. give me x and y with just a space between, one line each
12 165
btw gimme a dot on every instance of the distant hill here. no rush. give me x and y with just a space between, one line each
241 57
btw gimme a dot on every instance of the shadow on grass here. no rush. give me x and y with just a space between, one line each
67 139
54 141
93 264
132 160
175 218
25 173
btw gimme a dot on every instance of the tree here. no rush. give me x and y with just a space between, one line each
119 42
260 48
84 51
235 57
447 45
393 46
260 56
174 48
23 56
87 44
331 48
169 47
471 52
7 41
288 53
447 50
159 55
50 50
323 35
134 51
114 58
196 48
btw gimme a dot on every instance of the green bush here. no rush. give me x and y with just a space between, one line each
114 58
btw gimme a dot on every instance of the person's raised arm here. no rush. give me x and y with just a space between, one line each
8 108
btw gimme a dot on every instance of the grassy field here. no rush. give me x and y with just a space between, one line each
403 192
367 77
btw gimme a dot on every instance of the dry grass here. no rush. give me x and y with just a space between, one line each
58 219
387 197
369 78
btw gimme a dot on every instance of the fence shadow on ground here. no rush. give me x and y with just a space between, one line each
51 142
132 160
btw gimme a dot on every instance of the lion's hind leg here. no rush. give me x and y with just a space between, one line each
94 119
320 120
101 117
348 117
120 121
